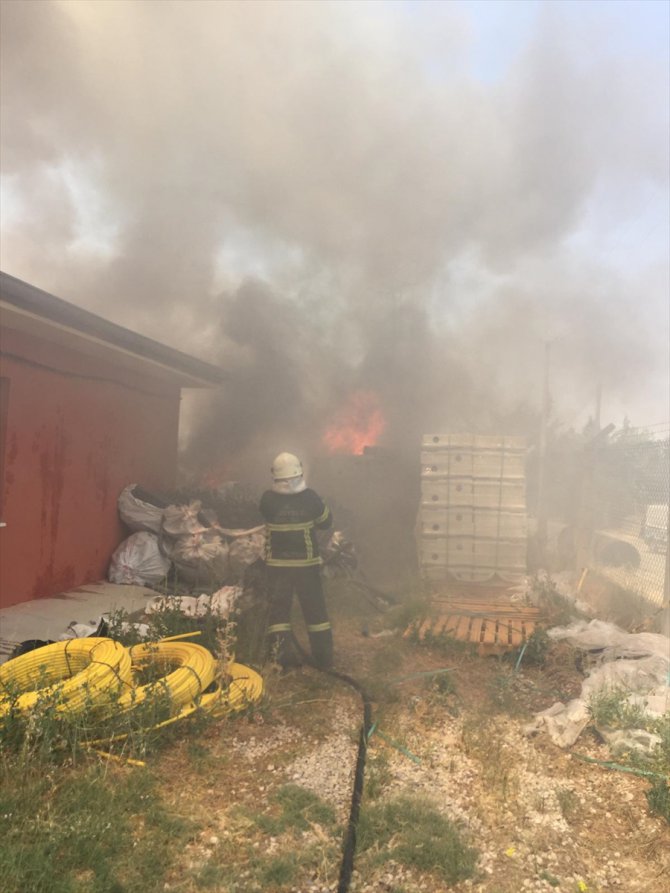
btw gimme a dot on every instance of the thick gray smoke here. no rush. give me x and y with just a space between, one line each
325 197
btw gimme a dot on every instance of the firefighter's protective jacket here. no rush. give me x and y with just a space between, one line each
291 521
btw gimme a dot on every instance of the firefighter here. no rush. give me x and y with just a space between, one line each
293 513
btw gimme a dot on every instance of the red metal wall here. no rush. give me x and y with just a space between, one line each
77 431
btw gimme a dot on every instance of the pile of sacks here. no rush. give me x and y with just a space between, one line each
203 554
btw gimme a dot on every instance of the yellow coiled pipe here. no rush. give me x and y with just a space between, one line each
245 688
97 674
74 674
195 673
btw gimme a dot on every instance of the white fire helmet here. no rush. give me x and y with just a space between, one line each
286 466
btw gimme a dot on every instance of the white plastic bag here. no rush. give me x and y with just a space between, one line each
137 514
138 560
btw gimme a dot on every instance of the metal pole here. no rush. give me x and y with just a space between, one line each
541 508
665 615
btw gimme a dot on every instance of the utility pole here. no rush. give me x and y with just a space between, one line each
665 615
541 508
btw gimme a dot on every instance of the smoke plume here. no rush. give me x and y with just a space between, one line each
328 197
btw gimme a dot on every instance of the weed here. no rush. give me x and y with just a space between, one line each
279 870
568 802
410 612
417 835
169 620
559 610
412 607
506 692
550 879
442 684
658 798
210 875
660 758
378 774
483 742
536 647
627 608
611 709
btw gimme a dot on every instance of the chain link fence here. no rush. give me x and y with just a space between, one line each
622 521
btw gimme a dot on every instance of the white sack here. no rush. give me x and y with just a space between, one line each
180 520
138 560
136 514
245 548
200 557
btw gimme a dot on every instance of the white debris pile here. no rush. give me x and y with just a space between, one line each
221 603
633 666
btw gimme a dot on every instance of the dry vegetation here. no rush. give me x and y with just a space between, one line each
457 798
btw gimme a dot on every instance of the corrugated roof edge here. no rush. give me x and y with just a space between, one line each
34 300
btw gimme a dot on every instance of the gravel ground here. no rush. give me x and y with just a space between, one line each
541 820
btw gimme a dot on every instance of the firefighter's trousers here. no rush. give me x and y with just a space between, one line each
305 582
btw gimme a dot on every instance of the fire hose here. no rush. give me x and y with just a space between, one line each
349 845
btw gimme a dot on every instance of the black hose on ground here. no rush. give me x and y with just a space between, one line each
349 846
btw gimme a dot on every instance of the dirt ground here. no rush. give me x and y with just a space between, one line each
540 818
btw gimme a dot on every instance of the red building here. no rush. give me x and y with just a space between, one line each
86 407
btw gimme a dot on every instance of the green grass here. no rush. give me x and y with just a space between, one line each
67 831
658 798
610 709
418 836
378 773
294 809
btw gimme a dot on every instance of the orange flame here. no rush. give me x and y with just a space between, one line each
215 476
359 423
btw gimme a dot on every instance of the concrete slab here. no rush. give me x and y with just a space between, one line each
48 618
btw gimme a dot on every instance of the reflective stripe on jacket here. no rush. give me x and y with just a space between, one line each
291 522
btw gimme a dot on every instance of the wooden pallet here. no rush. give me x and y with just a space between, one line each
492 627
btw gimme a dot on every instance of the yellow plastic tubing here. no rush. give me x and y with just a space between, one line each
195 672
75 674
98 673
245 687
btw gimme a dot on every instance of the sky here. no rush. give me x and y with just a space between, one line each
408 198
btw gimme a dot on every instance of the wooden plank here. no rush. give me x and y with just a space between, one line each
516 634
440 625
489 637
516 610
449 628
476 629
425 626
529 629
463 629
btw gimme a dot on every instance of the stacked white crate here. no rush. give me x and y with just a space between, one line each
473 523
